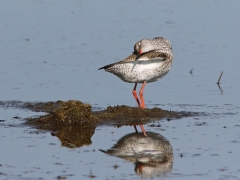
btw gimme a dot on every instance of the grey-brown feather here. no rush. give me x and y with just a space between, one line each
154 62
132 57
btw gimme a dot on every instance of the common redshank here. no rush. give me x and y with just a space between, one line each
151 155
150 61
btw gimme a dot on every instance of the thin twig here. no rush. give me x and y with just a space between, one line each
220 78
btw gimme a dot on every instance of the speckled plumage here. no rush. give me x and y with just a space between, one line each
148 45
152 155
150 61
149 66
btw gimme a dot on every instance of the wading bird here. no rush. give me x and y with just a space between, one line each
150 61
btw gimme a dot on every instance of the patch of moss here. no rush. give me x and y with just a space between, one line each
69 113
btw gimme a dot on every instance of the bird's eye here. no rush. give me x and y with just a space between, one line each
139 43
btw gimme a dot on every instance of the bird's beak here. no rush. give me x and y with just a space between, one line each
139 54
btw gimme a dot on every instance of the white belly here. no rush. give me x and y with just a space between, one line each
141 70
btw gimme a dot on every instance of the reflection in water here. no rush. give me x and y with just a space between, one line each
152 155
191 72
75 136
220 89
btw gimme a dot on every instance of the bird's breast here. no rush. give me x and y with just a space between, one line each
141 70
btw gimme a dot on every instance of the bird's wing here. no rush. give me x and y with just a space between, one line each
152 55
130 58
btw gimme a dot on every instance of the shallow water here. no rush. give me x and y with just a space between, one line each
51 50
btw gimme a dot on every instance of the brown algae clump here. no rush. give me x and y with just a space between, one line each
69 113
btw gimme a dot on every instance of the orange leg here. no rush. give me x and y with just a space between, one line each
135 95
143 130
141 94
142 104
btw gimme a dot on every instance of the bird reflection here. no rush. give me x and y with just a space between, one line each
152 155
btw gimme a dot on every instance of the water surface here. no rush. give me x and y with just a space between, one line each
51 50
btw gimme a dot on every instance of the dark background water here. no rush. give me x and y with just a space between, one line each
51 50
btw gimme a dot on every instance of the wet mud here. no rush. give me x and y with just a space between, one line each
74 122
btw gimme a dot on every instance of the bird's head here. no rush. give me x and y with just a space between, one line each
143 46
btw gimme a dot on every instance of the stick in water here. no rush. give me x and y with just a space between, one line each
219 78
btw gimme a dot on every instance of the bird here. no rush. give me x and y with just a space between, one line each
150 61
152 155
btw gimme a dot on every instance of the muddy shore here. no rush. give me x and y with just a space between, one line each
74 122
